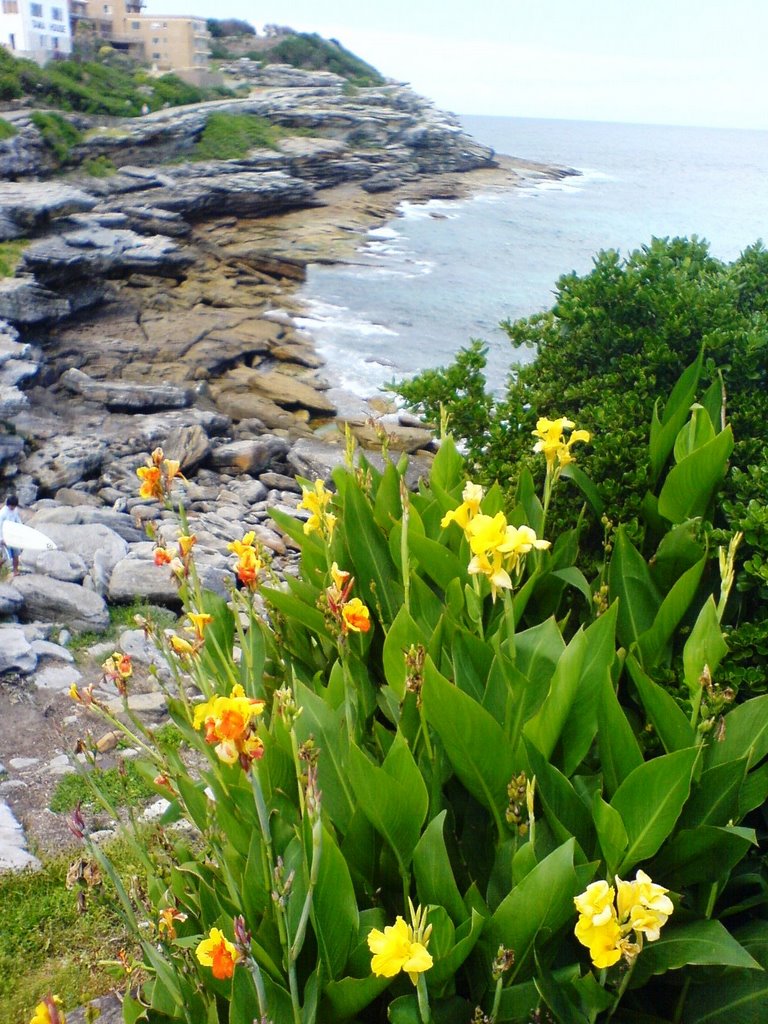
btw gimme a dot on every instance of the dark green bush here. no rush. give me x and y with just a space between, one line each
305 50
58 134
231 136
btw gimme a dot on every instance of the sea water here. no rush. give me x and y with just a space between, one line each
445 272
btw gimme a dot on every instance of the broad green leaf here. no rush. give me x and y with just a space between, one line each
436 560
538 650
700 943
664 713
697 431
448 468
754 791
378 583
529 509
403 633
585 485
435 882
334 908
293 608
575 578
716 796
348 997
545 727
704 647
580 727
535 909
702 854
678 550
746 734
691 484
665 430
611 833
244 1004
630 581
565 813
650 800
393 797
735 996
465 939
557 997
216 655
519 1001
472 660
620 753
386 509
652 645
474 741
319 720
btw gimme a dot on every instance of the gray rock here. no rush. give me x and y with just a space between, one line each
23 301
126 397
251 456
63 461
16 654
59 565
188 444
10 599
315 459
27 206
119 522
55 601
14 855
134 578
47 649
56 677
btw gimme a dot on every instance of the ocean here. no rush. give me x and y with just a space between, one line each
445 272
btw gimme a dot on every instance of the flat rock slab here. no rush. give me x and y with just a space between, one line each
24 301
25 206
16 653
49 600
249 456
56 677
14 855
127 397
63 461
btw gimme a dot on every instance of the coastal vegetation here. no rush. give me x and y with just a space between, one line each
10 255
121 88
231 136
448 778
309 50
613 341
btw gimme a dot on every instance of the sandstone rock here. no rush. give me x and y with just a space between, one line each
126 397
16 654
251 456
286 390
189 445
63 461
55 601
243 194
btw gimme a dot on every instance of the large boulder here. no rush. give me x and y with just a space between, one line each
63 461
51 600
29 205
23 301
10 599
249 456
134 578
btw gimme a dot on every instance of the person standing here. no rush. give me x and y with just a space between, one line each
9 513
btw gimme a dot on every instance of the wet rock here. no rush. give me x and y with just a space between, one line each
51 600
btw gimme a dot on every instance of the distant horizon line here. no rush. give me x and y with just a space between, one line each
625 124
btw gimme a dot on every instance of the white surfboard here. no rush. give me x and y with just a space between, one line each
17 535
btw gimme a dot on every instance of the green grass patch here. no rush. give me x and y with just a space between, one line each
47 945
7 131
231 136
58 134
309 50
122 617
10 255
99 167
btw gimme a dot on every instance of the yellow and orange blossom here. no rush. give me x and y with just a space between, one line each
355 617
218 953
230 725
49 1012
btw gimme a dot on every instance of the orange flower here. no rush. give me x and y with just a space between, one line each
151 482
248 567
230 723
355 617
218 953
166 925
163 556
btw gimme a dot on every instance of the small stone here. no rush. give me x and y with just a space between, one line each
20 763
56 677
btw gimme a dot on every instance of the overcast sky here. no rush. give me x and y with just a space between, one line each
691 62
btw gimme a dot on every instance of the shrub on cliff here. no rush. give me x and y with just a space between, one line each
305 50
612 339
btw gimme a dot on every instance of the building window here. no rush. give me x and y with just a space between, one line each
135 25
155 40
10 7
155 56
55 42
57 14
43 42
36 10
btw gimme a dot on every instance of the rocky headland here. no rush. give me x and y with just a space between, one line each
156 307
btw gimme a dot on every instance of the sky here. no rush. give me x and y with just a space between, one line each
684 62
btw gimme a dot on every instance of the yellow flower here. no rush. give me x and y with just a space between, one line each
641 907
167 923
248 567
151 482
355 617
181 646
239 547
218 953
230 725
644 905
48 1012
339 577
316 501
470 506
74 693
186 543
397 949
199 621
552 443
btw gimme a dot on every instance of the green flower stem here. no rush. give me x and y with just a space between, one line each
423 996
404 550
497 997
317 849
261 996
623 987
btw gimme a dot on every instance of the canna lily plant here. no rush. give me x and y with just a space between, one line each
446 779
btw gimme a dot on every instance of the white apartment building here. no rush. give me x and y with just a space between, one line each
39 29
